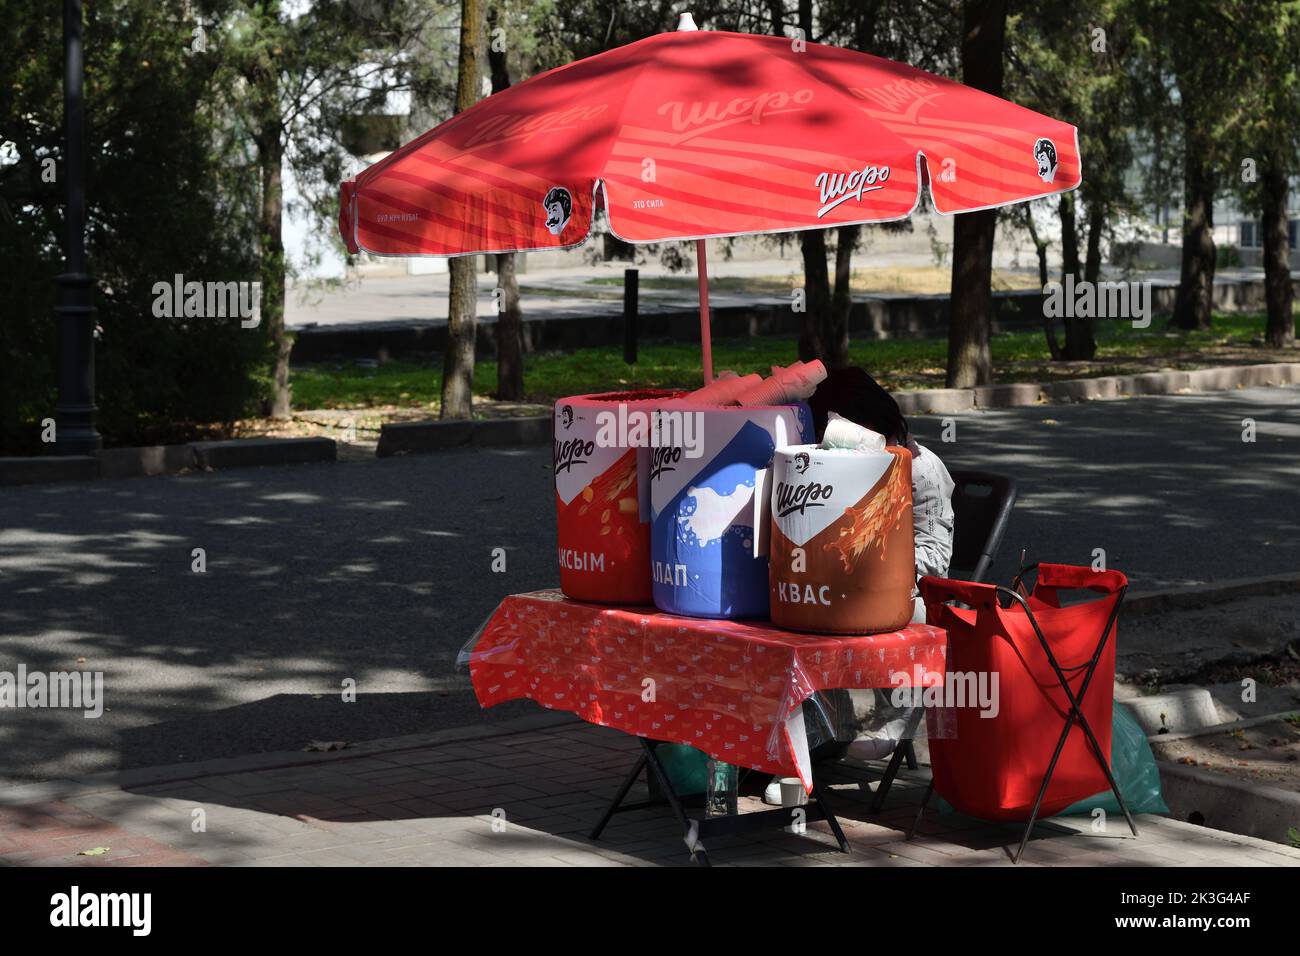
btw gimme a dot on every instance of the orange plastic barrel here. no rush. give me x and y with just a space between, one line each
841 548
600 465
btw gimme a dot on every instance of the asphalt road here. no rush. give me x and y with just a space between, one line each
378 571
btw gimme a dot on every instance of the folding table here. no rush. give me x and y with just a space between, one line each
733 689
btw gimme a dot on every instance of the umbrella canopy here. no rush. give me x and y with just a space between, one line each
698 134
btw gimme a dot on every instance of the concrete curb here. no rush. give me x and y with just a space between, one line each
22 793
148 461
1259 843
1189 710
1168 599
943 401
600 322
415 437
37 471
1225 803
936 401
921 777
153 460
251 452
1223 728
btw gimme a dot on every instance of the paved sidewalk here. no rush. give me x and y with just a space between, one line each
523 793
568 293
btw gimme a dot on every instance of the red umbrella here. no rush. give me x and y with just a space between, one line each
699 134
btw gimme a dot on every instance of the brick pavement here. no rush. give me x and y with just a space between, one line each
524 793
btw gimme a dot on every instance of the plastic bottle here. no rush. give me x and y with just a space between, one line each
720 795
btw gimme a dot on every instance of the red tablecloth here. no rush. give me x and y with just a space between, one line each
732 689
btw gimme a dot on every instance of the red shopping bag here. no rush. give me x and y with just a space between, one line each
1034 753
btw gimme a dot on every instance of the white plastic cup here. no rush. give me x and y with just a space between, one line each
792 792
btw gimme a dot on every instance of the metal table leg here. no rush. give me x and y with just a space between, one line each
619 797
896 759
695 830
819 796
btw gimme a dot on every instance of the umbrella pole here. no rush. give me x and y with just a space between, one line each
706 344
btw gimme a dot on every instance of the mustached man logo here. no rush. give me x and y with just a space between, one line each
801 462
571 451
1045 155
559 207
837 188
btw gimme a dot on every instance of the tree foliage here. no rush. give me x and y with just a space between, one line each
190 146
162 200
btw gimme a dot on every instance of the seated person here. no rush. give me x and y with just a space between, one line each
833 717
853 394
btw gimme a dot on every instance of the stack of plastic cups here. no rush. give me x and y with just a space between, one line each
723 390
789 384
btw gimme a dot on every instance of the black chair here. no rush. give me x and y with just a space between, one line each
981 505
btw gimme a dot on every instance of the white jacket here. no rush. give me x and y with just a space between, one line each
932 517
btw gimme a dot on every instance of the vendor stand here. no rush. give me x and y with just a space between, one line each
687 136
732 689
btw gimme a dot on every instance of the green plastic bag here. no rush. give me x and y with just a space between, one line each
1133 766
687 768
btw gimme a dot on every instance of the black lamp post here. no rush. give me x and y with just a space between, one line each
75 308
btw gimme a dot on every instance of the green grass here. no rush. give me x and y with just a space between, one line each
898 363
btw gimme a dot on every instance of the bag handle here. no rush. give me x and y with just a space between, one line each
1068 576
938 590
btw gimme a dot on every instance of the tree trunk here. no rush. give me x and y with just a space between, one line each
462 317
1079 341
510 340
1080 331
836 339
271 267
836 336
1195 297
1279 291
969 360
1069 237
510 319
1040 249
615 248
812 243
817 295
970 363
776 10
1096 224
